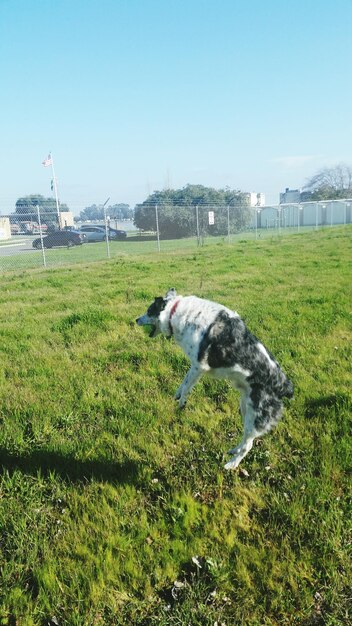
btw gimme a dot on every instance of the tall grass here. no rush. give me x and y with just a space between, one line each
114 506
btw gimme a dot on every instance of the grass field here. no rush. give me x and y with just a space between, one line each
114 505
132 246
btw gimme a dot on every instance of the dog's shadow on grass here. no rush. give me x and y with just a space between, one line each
325 404
69 468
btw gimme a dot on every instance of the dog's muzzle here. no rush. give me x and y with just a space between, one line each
145 321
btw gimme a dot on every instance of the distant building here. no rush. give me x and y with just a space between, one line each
256 199
66 219
5 228
290 195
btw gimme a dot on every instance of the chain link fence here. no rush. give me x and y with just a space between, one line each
35 240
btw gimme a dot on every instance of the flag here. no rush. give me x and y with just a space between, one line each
52 185
48 161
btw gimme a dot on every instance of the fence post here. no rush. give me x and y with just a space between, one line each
228 223
41 236
197 222
106 228
107 225
157 226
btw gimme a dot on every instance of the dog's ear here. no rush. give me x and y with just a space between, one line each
158 305
171 294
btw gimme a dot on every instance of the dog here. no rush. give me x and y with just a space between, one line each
218 343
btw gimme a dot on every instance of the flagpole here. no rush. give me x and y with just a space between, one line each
56 192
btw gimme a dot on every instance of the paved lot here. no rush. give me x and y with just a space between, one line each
16 246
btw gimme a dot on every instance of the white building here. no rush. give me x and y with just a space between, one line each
295 214
5 229
256 199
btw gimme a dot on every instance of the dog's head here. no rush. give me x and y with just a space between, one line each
152 316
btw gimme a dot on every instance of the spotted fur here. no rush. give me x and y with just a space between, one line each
217 342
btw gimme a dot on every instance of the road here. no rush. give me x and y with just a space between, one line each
16 246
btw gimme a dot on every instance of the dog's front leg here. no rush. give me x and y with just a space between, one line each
182 393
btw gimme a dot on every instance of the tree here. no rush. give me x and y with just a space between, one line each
116 211
26 209
120 211
177 211
331 183
92 213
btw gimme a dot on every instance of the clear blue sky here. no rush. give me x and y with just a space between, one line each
136 95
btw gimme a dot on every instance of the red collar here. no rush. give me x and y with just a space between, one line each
172 313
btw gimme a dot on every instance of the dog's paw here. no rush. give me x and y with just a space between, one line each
181 399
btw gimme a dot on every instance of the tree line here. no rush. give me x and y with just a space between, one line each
183 212
95 212
26 210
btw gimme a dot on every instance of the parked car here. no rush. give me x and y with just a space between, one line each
66 238
114 233
96 232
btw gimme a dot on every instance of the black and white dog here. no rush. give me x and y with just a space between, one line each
218 343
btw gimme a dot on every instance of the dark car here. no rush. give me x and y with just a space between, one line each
97 232
65 238
117 234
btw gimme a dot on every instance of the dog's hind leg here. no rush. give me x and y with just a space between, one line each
241 451
192 376
250 433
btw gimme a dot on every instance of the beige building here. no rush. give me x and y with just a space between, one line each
66 219
5 229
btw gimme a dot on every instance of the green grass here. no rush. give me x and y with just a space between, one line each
134 245
109 494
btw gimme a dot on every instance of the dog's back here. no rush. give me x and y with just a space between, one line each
223 341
